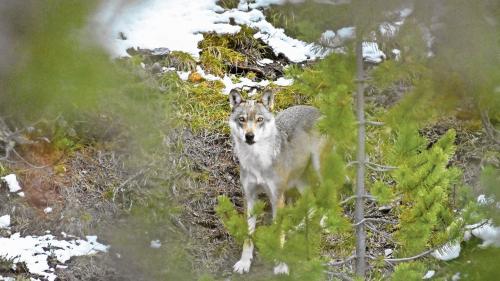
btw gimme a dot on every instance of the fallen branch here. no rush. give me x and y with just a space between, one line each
123 184
340 275
378 167
374 123
369 197
423 254
493 133
373 220
337 263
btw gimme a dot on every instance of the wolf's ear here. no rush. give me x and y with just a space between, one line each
234 98
268 99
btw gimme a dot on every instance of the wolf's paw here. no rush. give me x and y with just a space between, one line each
281 268
242 266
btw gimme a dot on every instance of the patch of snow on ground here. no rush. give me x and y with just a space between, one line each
327 35
178 24
387 252
448 252
155 244
485 230
429 274
397 54
264 61
12 182
483 200
4 221
371 52
346 32
243 82
456 277
388 29
184 75
283 82
35 250
488 233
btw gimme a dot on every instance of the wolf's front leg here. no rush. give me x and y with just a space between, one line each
243 265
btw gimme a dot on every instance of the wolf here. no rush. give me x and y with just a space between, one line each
274 153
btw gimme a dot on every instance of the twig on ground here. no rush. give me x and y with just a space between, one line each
423 254
373 220
369 197
123 184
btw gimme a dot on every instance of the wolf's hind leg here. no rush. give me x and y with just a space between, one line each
281 267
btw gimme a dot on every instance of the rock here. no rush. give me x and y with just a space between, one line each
160 52
156 68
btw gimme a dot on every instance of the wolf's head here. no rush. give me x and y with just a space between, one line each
251 121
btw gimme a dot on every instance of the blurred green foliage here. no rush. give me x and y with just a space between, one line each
76 94
296 18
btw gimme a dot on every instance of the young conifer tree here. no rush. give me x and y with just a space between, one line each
419 178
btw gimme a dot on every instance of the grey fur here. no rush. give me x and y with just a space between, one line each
284 147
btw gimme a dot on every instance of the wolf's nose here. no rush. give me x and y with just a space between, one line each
249 137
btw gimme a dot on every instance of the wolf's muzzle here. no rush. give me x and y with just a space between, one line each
249 138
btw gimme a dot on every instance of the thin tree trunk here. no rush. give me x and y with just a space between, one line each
360 173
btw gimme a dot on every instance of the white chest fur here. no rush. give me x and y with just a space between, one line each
259 155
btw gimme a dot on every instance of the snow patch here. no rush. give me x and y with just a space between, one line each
328 35
488 233
388 252
155 244
4 221
184 75
346 32
264 61
456 277
371 52
12 182
483 200
35 250
283 82
243 82
179 24
448 252
397 54
429 274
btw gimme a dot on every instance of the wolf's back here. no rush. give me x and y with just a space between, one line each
300 117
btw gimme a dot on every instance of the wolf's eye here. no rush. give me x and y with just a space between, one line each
260 119
242 119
